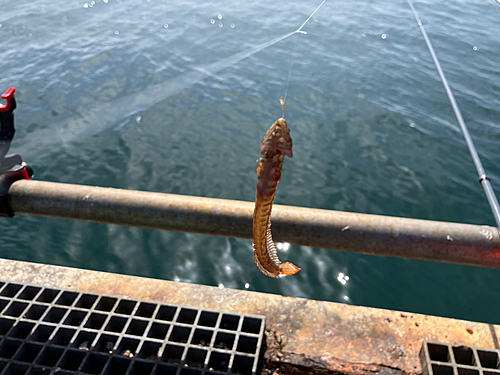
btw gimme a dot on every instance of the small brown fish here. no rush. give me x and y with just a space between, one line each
276 144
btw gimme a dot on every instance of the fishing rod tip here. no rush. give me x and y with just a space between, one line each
282 106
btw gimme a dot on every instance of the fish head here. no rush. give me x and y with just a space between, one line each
277 140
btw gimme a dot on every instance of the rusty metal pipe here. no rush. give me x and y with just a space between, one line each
369 234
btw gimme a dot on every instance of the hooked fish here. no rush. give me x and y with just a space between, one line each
276 144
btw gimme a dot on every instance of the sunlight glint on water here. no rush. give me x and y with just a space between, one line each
157 96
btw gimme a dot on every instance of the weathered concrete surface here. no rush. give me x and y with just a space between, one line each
300 364
333 333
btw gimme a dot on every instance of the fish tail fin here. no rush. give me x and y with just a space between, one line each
288 268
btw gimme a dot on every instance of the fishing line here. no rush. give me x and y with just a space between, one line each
104 114
290 71
484 180
298 31
312 14
214 68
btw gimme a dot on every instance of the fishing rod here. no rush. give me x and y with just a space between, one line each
484 180
495 4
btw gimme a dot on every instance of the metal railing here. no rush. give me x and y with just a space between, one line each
337 230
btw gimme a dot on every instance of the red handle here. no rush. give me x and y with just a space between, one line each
9 95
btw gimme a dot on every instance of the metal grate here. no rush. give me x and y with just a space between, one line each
444 359
55 331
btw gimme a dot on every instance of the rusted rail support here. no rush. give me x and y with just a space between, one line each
369 234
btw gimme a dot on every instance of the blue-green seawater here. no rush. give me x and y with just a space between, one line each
147 95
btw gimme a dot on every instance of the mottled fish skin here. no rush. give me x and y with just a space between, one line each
276 144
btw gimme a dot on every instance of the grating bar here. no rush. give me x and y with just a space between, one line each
444 359
50 330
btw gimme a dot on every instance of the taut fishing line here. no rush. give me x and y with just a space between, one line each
298 31
290 71
131 105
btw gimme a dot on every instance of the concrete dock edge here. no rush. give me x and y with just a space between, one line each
331 337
